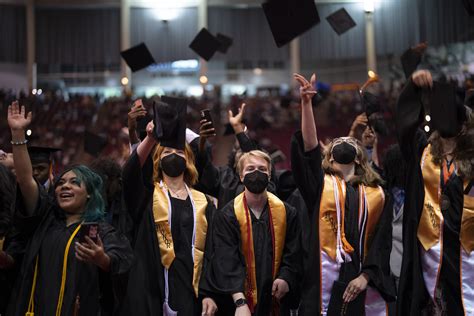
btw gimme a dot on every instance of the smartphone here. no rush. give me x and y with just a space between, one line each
206 115
90 230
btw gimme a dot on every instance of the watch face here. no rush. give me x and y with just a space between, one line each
240 302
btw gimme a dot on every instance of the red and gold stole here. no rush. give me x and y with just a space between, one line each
163 230
371 206
277 219
328 224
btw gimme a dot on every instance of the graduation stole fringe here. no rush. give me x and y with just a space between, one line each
328 224
161 206
371 206
277 220
31 305
429 227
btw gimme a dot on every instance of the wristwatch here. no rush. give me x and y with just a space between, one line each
240 302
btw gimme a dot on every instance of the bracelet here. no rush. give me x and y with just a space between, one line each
19 143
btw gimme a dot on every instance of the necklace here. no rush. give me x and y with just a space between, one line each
180 194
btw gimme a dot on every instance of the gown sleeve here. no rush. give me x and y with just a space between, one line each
307 171
377 263
225 273
409 116
291 268
137 183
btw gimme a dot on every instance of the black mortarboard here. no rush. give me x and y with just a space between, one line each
411 58
225 42
371 103
138 57
469 5
40 154
289 19
205 44
170 122
447 114
94 144
341 21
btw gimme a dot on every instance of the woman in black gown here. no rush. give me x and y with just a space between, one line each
170 234
60 275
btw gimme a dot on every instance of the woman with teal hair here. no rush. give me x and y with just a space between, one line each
63 272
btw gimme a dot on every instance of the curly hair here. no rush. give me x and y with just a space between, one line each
363 174
463 153
95 206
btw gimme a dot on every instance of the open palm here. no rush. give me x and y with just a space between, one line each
17 120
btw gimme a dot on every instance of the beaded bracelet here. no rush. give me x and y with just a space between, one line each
19 143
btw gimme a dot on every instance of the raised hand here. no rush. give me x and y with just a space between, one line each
236 121
307 89
17 120
422 79
137 111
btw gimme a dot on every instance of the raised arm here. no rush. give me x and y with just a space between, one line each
18 120
145 147
137 111
308 125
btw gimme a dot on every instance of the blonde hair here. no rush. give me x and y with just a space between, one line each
253 153
363 174
190 173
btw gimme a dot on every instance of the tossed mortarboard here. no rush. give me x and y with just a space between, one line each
138 57
289 19
94 144
411 58
41 154
225 42
447 114
205 44
341 21
170 122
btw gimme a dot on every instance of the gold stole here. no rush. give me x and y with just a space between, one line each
328 218
375 205
277 218
429 227
467 223
163 230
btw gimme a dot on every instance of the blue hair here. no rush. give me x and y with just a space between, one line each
95 206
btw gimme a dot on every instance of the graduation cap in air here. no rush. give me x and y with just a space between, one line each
341 21
225 42
289 19
169 117
41 154
138 57
411 58
205 44
94 144
447 114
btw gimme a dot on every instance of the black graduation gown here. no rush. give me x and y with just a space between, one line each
48 236
309 177
223 183
226 271
146 284
413 296
377 262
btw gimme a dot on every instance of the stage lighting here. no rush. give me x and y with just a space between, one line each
124 81
369 6
203 80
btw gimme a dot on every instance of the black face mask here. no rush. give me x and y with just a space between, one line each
256 181
344 153
173 165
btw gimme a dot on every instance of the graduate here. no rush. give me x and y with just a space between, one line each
224 183
171 220
438 262
332 219
256 260
42 164
61 273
